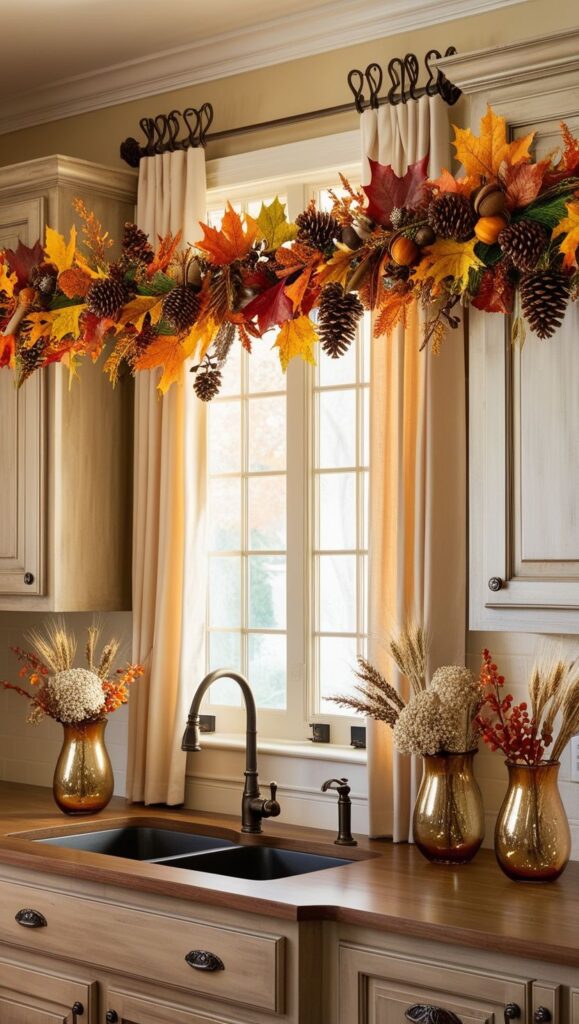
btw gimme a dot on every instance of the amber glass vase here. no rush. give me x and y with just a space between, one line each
83 777
449 822
532 837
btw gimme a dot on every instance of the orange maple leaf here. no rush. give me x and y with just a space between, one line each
448 183
569 226
232 241
522 182
164 254
570 160
167 352
485 154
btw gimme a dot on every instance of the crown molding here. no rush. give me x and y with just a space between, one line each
324 28
543 57
50 171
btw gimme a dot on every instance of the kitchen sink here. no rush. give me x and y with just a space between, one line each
139 843
259 863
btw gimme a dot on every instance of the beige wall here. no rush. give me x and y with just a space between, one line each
308 84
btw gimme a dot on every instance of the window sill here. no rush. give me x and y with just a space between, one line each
287 748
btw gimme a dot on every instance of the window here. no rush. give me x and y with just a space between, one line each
288 485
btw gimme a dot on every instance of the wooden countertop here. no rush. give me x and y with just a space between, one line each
389 887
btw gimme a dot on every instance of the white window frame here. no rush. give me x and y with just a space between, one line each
296 168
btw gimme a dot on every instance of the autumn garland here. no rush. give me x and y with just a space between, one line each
504 238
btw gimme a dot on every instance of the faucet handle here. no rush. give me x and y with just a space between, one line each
273 790
341 785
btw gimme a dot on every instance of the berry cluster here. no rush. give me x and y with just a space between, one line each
505 725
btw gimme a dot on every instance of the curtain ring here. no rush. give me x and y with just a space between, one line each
206 113
193 140
356 83
147 126
412 67
374 78
396 74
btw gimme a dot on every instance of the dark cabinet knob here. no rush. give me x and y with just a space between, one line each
77 1011
201 960
542 1015
495 583
29 578
31 919
424 1013
112 1017
512 1012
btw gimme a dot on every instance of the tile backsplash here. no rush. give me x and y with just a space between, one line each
28 753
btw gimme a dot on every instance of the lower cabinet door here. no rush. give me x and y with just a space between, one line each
379 988
30 996
125 1008
575 1006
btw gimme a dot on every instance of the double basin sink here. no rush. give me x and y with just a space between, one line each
197 852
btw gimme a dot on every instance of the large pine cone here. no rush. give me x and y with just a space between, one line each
207 384
181 306
106 297
317 229
135 245
339 312
544 298
524 241
452 216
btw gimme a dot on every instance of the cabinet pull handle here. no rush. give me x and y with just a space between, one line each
77 1011
112 1017
31 919
512 1012
203 961
423 1013
495 584
542 1015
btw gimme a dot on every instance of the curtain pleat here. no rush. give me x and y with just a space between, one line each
169 552
417 478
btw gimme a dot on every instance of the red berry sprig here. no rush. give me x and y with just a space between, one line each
504 725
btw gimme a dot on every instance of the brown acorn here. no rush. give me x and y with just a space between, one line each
350 237
403 250
424 235
490 201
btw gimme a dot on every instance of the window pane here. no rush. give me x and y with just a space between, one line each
337 663
224 437
267 670
366 477
338 371
337 528
366 426
267 434
337 429
267 591
225 652
267 512
265 372
225 514
225 592
337 593
366 340
231 372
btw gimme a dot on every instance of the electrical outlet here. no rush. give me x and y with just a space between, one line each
575 759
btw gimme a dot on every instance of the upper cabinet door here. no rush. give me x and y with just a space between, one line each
22 443
523 401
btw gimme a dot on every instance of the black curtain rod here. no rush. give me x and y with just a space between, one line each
162 131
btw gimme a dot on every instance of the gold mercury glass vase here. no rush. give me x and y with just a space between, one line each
449 822
83 777
532 836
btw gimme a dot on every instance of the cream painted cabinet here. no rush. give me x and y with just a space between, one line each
523 404
377 988
65 451
31 996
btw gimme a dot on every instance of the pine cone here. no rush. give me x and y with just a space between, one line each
452 216
339 313
317 229
135 245
181 306
524 242
28 360
43 278
106 297
544 298
207 384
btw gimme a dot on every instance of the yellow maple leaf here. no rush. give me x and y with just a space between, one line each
38 325
58 251
447 258
232 241
569 226
274 226
66 321
7 280
168 352
337 269
83 264
296 338
484 154
136 310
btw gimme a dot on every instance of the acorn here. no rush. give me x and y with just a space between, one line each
424 235
350 237
490 201
487 229
403 250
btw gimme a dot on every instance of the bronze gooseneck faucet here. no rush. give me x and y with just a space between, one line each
253 807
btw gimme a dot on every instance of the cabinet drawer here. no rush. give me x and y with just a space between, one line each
379 988
149 945
131 1009
31 996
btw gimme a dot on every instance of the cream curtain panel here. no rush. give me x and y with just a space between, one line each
417 478
169 492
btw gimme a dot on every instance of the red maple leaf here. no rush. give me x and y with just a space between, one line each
22 259
496 292
387 191
272 307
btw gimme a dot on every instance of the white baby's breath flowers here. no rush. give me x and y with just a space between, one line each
75 695
427 725
456 683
